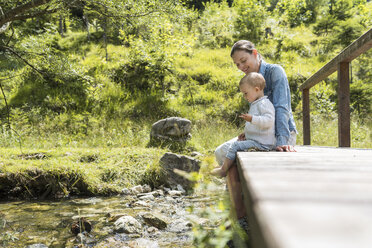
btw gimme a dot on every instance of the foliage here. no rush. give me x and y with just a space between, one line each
57 86
298 12
250 20
216 25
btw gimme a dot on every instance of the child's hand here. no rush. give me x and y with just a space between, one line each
241 137
246 117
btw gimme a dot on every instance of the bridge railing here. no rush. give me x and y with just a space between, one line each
341 64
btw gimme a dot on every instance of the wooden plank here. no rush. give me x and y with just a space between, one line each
359 46
317 197
343 93
306 116
310 224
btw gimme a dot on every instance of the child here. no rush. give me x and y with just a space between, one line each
259 131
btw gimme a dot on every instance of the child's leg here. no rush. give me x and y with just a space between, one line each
222 171
222 150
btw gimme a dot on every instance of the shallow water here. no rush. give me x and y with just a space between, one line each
24 223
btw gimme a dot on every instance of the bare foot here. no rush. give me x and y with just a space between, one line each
218 172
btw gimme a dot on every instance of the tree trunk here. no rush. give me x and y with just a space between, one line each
86 22
61 26
105 35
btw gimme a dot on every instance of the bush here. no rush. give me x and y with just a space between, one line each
250 19
57 85
216 25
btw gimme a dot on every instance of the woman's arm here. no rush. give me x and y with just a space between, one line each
281 102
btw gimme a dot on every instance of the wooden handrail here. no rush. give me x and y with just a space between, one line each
341 64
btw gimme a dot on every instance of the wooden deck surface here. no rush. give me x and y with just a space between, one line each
317 197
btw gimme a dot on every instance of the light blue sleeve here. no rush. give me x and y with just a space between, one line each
281 102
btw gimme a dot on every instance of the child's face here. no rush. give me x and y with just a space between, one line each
250 93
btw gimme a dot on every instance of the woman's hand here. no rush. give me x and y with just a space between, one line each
286 148
241 137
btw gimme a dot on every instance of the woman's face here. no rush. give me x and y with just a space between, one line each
245 61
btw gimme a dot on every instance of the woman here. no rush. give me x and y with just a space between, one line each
247 59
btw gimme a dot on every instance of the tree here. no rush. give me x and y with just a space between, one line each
12 11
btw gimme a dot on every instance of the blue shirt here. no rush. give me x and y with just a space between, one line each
277 90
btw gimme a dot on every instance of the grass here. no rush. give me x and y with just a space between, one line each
324 132
77 171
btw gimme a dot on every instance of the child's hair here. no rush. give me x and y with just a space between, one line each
243 45
253 79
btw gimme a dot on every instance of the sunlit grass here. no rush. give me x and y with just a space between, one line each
101 169
324 132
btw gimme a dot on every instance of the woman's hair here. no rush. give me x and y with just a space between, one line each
243 45
253 79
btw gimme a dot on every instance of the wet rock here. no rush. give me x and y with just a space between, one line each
158 192
80 226
37 246
112 242
141 204
137 189
175 193
180 188
87 201
127 224
166 189
146 188
143 243
152 229
113 218
155 220
155 193
180 226
170 199
147 197
85 238
126 191
172 162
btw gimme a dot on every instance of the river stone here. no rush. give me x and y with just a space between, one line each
37 246
152 229
180 226
155 220
143 243
141 204
127 224
175 193
85 238
180 188
147 197
146 188
137 189
171 162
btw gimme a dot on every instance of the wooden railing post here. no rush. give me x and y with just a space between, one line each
306 116
339 63
343 105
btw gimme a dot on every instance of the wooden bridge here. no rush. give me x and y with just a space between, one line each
318 197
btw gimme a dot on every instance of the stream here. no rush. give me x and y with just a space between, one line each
40 224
